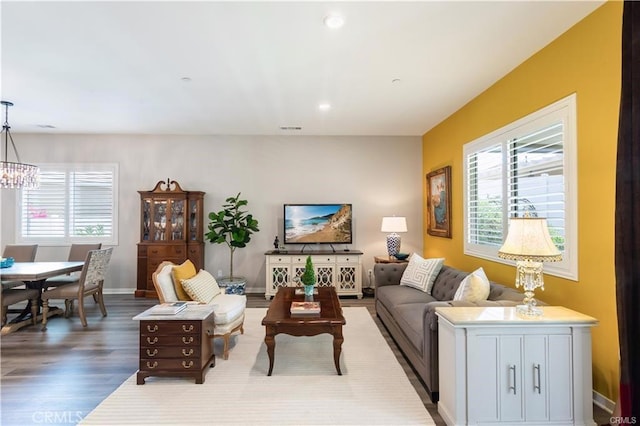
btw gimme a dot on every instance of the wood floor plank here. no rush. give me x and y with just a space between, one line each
60 375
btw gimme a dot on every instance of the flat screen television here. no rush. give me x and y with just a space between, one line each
318 224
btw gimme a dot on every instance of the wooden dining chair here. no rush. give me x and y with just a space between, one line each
90 283
20 253
77 253
12 296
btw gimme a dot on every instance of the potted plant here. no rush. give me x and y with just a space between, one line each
233 227
308 277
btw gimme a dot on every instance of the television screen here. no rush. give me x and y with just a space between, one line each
317 223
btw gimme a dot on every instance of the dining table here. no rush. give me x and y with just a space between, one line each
34 275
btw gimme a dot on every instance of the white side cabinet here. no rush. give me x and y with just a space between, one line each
497 367
342 270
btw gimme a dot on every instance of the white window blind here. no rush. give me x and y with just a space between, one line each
74 203
526 167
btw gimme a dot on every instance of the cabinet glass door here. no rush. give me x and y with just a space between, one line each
159 220
177 220
146 220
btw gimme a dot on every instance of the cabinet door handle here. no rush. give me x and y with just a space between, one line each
150 353
152 329
536 375
187 340
184 327
513 378
152 342
152 365
187 353
186 364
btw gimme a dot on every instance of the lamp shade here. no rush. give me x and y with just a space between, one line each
528 239
394 224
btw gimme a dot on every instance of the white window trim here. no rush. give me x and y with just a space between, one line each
66 241
566 110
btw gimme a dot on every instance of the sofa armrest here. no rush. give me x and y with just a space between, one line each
388 273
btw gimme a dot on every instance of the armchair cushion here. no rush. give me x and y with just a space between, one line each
228 307
183 272
202 288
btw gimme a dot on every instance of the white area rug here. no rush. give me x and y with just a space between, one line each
303 390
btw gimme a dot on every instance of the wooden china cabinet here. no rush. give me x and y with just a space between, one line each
171 228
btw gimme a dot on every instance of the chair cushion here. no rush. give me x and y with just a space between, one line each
9 297
474 288
183 272
164 279
421 273
228 307
202 288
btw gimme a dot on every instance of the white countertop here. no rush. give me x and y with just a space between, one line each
194 311
552 315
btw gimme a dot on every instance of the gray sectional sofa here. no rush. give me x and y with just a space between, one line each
409 314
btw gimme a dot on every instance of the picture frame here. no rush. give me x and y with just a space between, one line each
439 202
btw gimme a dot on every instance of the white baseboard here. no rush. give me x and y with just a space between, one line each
603 402
130 291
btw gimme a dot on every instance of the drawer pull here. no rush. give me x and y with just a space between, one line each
150 365
152 330
184 327
150 353
187 353
186 340
152 342
186 364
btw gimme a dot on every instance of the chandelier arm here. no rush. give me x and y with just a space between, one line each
14 147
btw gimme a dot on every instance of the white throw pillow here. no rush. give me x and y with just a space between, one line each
202 288
474 288
421 273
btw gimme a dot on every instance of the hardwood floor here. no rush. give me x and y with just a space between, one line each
59 376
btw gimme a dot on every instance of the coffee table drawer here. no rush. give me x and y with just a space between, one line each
170 352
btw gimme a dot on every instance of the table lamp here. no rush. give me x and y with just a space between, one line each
393 225
528 243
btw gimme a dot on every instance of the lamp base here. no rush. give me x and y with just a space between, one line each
528 310
393 244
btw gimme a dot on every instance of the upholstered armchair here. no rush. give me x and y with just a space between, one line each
229 311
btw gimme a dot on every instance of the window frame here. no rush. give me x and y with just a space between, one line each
67 239
564 110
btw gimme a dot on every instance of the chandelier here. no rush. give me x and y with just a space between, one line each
15 175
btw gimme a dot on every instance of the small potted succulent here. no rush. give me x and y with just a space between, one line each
308 278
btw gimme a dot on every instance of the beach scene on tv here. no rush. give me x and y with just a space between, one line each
317 223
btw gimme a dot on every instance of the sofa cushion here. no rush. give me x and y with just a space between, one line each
474 288
395 295
202 288
183 272
421 273
447 283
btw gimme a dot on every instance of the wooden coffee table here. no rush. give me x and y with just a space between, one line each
278 320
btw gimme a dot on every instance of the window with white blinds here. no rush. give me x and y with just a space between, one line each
527 167
73 204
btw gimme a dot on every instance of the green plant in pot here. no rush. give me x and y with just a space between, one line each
232 226
308 277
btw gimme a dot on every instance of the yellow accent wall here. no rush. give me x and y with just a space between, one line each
585 60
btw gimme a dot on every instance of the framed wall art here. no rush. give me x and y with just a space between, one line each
439 202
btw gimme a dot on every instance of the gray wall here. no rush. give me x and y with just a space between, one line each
380 176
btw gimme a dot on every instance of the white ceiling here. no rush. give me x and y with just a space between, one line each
117 67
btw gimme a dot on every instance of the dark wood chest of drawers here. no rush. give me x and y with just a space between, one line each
176 345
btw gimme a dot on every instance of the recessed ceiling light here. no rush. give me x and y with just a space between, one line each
186 79
46 126
395 80
333 21
290 127
324 107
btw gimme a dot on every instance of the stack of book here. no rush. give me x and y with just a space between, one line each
305 309
170 308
